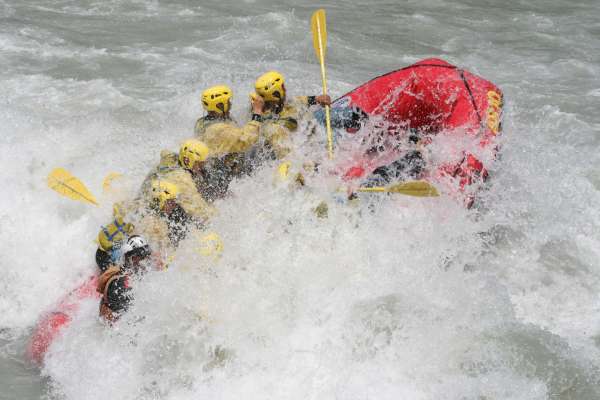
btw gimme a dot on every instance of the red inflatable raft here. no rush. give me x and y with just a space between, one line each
51 324
431 98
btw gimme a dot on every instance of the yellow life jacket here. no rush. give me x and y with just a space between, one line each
225 137
204 122
287 117
278 124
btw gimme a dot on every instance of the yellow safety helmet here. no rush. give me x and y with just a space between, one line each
191 152
162 191
113 235
217 99
271 86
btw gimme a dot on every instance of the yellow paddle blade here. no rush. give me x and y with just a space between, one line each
415 188
318 27
411 188
108 180
61 181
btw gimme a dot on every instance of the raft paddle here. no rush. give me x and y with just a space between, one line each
319 32
108 180
410 188
63 182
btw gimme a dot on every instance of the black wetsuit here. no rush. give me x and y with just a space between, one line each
178 224
214 179
103 259
118 294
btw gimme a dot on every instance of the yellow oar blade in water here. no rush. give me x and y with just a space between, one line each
415 188
318 26
411 188
108 180
63 182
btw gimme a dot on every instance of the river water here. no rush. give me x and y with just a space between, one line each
411 299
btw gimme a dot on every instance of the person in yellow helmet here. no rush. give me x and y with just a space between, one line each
218 130
216 101
168 218
209 174
169 201
191 162
227 140
196 159
280 116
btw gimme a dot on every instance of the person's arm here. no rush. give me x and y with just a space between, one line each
322 100
238 140
232 139
258 108
251 130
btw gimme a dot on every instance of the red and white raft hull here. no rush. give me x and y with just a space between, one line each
433 98
50 326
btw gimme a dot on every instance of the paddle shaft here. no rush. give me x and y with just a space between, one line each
377 189
324 79
82 195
